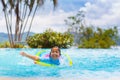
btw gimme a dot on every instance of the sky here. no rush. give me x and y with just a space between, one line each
102 13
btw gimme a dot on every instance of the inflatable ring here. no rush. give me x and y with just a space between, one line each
51 65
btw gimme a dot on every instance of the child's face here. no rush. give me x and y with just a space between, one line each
55 54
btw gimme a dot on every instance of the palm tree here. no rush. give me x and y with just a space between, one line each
22 9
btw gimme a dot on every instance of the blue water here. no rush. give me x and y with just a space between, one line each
100 63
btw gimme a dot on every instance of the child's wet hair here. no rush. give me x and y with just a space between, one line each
58 50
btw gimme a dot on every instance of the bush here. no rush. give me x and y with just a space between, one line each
7 45
102 38
49 39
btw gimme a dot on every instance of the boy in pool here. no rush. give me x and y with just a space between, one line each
53 57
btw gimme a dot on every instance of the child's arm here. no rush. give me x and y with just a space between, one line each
29 56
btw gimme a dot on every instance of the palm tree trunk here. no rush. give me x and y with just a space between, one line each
9 36
8 23
31 21
23 22
17 21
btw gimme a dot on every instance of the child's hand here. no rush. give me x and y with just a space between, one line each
23 53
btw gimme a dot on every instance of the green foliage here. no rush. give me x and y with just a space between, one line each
4 45
7 45
75 22
76 25
88 37
98 39
49 39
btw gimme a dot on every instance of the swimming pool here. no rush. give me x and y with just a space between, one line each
87 63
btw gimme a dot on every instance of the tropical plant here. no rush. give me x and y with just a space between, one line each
22 9
7 45
102 38
49 39
76 24
89 36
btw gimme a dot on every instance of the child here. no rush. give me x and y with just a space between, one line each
53 56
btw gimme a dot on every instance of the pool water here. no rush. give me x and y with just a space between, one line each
97 63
